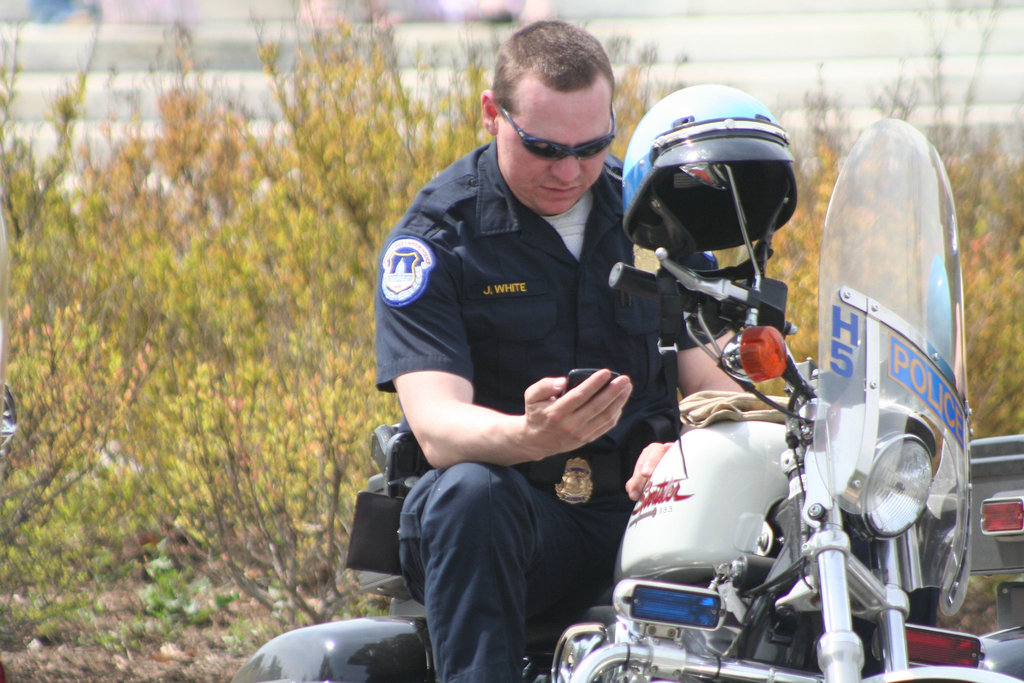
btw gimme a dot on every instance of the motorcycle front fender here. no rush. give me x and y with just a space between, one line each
1004 652
365 650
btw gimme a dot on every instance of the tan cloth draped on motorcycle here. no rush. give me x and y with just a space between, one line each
706 407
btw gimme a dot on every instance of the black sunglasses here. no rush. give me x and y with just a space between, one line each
555 150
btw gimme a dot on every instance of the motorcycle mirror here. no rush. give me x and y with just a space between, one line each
762 353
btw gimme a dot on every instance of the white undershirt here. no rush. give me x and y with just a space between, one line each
571 224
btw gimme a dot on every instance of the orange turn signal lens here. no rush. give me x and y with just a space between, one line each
762 353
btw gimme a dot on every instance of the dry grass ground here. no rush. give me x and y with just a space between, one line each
195 654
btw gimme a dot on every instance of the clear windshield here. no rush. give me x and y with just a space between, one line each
891 340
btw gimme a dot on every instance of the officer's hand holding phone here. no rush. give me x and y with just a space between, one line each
579 375
564 416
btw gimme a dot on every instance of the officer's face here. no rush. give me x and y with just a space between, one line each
550 186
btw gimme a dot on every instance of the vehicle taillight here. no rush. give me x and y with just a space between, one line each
1001 516
762 353
942 648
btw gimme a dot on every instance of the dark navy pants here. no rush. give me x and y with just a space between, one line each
484 551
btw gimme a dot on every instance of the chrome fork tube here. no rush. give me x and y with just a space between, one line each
892 626
840 651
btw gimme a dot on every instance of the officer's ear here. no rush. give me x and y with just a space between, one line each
489 112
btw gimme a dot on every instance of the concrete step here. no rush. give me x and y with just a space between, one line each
855 57
121 96
108 48
744 40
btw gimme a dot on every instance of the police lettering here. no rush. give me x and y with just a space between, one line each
911 370
843 352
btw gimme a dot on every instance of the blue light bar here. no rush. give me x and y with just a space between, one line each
679 607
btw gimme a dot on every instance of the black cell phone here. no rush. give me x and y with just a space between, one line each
576 377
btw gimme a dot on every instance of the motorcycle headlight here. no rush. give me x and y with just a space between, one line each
898 485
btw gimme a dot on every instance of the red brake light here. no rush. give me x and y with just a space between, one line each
948 648
1002 516
762 353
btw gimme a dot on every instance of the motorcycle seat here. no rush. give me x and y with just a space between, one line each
544 629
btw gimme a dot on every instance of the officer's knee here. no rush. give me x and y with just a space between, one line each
473 484
472 493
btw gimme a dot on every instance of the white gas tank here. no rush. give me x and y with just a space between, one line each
706 502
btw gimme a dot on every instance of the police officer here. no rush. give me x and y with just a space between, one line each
492 287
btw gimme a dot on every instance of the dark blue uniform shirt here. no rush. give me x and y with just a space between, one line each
475 284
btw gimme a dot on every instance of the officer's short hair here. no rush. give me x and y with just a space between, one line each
564 56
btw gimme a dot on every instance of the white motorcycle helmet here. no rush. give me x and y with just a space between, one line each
687 157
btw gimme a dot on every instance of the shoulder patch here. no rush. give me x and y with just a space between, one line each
405 270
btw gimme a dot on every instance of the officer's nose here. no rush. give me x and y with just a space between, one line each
566 169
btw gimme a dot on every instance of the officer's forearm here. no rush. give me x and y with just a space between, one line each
470 433
450 428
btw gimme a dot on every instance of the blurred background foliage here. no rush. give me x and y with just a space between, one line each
191 325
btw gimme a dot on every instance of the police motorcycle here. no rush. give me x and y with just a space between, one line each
805 551
781 538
